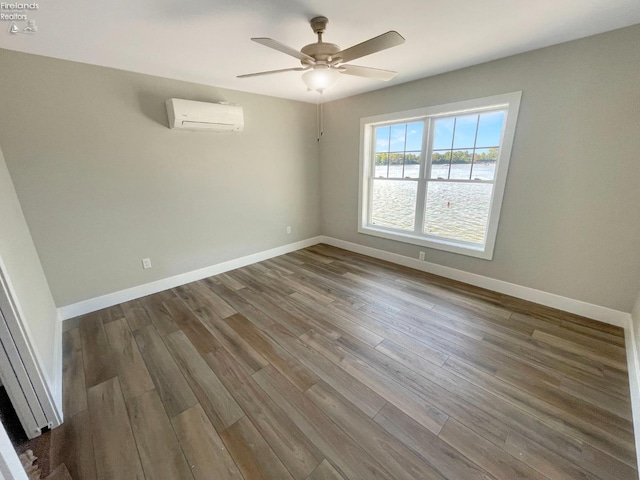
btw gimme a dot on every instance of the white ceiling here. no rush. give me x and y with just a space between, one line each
207 41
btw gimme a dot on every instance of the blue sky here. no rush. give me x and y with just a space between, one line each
392 138
397 140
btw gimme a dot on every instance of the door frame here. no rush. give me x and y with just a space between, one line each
20 366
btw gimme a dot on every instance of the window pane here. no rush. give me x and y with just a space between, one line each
398 136
412 165
490 129
458 211
442 133
394 204
484 164
396 162
414 136
440 164
465 135
382 139
381 164
461 164
392 160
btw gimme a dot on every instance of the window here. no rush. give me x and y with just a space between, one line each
436 176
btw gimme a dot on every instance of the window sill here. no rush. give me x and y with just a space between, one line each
478 251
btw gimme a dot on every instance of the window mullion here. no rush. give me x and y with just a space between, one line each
389 153
425 169
372 174
404 154
473 152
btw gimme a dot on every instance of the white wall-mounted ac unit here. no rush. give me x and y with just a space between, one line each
213 117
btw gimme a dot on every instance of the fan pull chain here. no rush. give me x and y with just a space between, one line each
319 119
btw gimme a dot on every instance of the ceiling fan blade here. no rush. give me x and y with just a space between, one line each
373 45
375 73
281 47
257 74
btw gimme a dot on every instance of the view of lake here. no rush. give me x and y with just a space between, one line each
453 210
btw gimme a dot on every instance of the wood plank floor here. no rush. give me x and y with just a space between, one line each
324 364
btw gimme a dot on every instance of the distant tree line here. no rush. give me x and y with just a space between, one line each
464 156
459 156
397 158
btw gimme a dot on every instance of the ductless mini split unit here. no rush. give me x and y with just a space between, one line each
212 117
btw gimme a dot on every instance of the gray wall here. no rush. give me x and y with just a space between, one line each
103 182
570 220
24 271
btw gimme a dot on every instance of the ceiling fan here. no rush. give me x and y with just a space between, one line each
323 63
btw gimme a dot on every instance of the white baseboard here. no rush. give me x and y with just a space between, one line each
110 299
596 312
578 307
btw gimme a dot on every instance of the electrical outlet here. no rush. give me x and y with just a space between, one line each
146 263
289 230
421 256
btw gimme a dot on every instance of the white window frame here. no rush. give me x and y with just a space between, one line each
510 102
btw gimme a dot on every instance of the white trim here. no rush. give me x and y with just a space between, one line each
57 359
633 365
92 304
448 245
578 307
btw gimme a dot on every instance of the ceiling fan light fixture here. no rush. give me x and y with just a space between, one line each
320 78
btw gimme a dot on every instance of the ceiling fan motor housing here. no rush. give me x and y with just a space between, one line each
322 52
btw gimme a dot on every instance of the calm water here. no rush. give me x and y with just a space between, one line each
457 211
